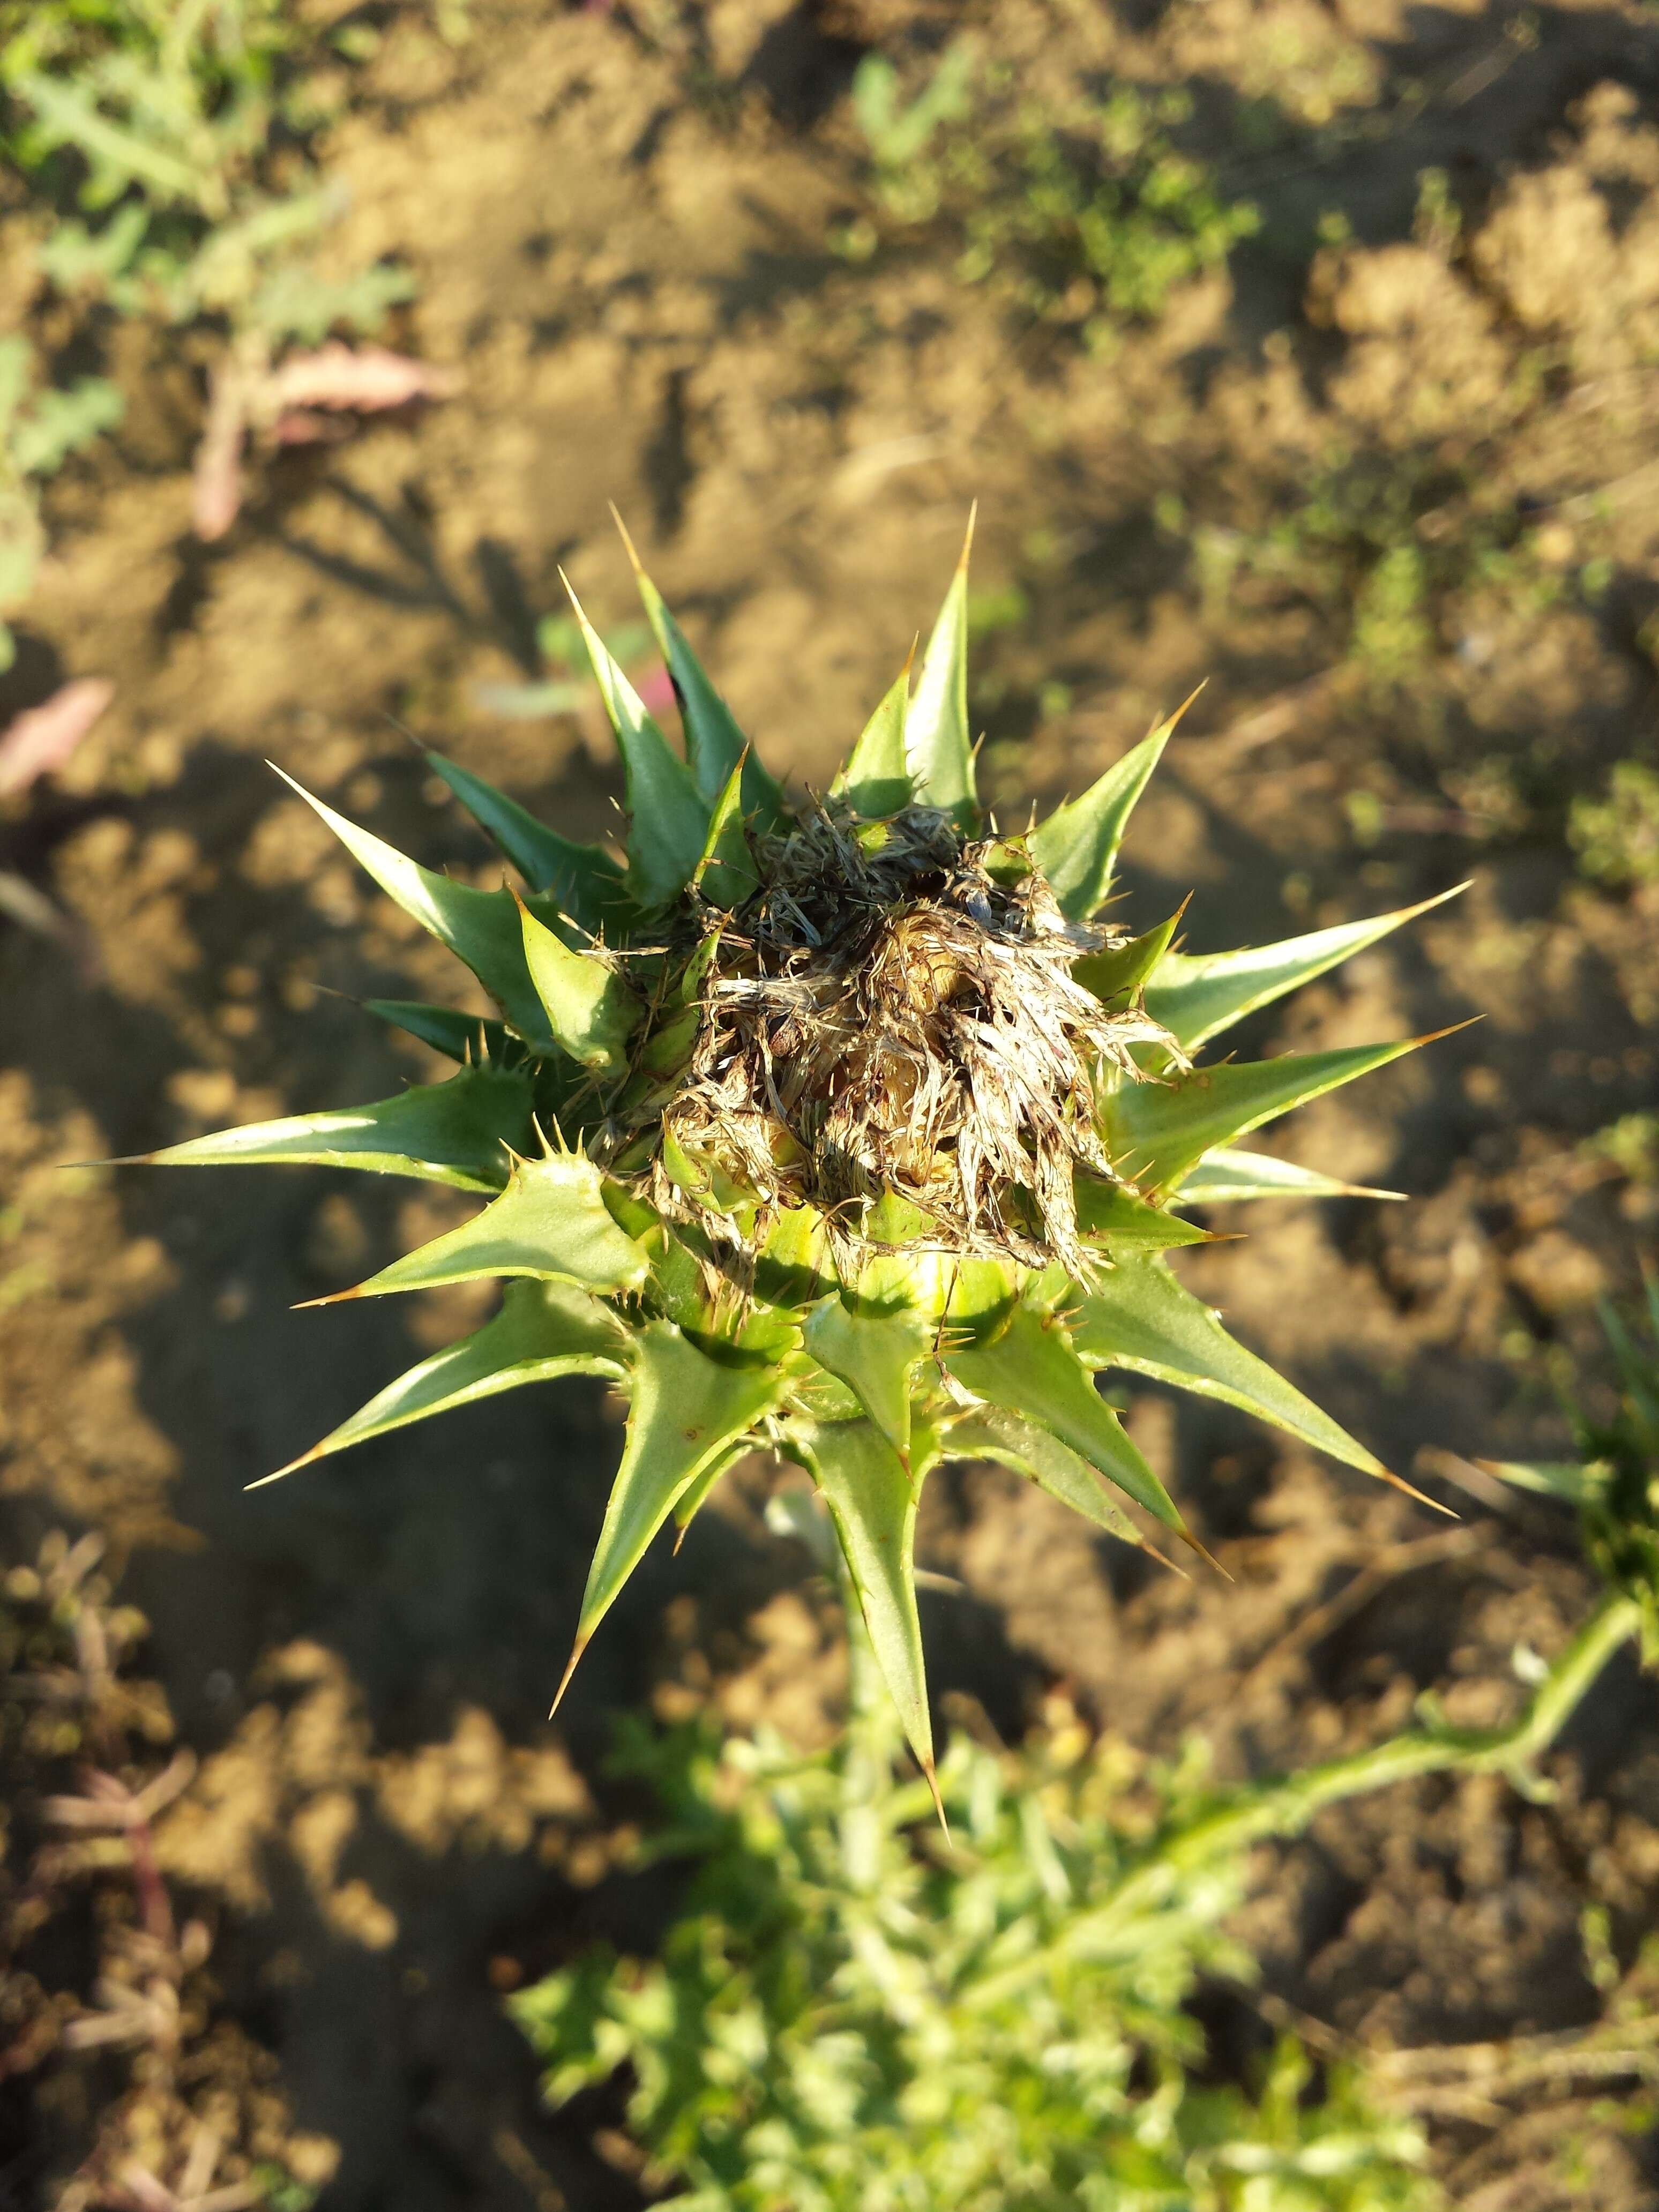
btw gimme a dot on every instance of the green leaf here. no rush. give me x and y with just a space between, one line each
465 1038
667 819
455 1132
544 1330
876 779
1077 847
981 1297
1031 1370
713 743
726 874
991 1433
1109 1215
480 927
683 1412
873 1354
585 881
1196 997
1156 1131
872 1501
789 1269
938 753
1141 1319
591 1011
1224 1174
693 1496
60 423
1636 1366
1116 974
1566 1480
552 1220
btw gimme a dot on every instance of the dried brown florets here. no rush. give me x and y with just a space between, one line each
893 1011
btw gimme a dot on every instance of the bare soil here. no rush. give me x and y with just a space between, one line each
619 217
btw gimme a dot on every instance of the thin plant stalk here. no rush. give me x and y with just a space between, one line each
1284 1807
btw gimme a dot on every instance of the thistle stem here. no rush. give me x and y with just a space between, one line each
868 1746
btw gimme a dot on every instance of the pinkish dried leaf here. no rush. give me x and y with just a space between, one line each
39 742
298 426
366 379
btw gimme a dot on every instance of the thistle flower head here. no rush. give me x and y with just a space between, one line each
892 1015
842 1128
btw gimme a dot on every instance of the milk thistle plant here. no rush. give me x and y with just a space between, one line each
844 1129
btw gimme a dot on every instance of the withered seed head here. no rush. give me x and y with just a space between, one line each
892 1013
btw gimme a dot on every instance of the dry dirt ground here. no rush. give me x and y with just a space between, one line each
619 217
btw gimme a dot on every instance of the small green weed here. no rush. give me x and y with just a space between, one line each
854 2014
179 125
852 2017
39 431
1613 1483
1083 213
900 134
1616 838
1382 545
180 128
1632 1143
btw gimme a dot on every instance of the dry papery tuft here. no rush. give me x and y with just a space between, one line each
892 1013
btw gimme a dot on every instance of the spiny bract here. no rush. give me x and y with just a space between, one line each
841 1129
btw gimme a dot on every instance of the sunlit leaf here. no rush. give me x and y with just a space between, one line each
552 1220
590 1010
1140 1318
584 880
455 1132
1030 1370
696 1493
480 927
994 1433
1575 1483
872 1500
1115 1217
1227 1174
684 1410
876 778
937 749
726 874
874 1355
544 1330
713 743
1195 996
667 819
1077 847
1158 1132
1116 974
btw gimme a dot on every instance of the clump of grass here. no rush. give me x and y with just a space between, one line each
1083 212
